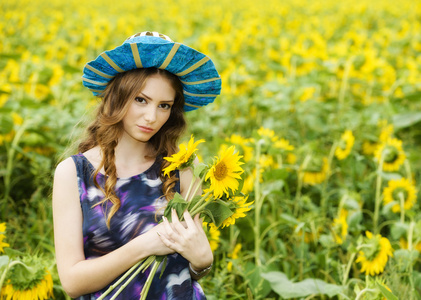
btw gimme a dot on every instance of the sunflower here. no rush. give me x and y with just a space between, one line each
284 145
233 255
213 235
392 153
317 174
241 207
397 188
374 254
184 157
2 236
37 286
340 227
224 173
369 147
345 145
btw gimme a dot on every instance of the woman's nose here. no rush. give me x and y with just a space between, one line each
150 114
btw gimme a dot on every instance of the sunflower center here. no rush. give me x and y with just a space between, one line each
398 193
390 154
221 171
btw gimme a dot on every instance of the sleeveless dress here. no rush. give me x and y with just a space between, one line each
140 197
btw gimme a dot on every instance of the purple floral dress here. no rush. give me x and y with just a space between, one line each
140 197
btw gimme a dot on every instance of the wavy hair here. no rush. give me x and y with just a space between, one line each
107 128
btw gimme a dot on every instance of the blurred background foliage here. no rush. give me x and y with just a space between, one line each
322 98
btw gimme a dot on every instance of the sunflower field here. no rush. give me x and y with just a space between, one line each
322 99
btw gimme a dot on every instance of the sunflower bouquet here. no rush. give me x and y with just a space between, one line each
220 204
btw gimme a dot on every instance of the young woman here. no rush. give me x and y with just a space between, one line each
108 198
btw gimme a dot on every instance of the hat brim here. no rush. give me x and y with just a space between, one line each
198 75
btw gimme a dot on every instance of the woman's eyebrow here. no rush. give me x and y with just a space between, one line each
149 98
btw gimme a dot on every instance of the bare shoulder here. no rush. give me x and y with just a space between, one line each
65 168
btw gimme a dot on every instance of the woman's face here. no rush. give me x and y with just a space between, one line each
149 110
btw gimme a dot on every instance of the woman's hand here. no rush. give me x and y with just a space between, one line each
189 239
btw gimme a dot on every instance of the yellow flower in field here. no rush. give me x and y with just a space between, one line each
248 184
374 254
345 145
269 133
404 245
244 143
240 208
40 287
397 190
307 94
386 132
2 237
316 175
213 235
369 147
233 255
184 157
393 154
224 172
284 145
291 158
17 119
340 227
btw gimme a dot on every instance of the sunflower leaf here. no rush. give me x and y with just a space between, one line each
198 169
389 295
178 203
220 212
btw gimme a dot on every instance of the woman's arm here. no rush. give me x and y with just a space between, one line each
79 276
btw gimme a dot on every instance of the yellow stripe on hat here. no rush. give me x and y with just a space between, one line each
169 56
97 91
111 63
136 56
98 72
199 95
194 67
200 81
94 82
188 104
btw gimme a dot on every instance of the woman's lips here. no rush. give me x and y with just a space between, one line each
145 129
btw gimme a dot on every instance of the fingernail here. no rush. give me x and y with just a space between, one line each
164 218
158 233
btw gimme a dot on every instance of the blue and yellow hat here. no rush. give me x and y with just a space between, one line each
200 79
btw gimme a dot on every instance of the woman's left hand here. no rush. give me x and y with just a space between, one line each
188 239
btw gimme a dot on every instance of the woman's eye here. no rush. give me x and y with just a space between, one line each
140 99
165 106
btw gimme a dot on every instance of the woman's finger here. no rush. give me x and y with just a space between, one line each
189 221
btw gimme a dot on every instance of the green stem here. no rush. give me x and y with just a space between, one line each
190 187
198 209
329 162
258 206
300 185
348 268
145 263
148 282
8 267
360 294
402 205
378 193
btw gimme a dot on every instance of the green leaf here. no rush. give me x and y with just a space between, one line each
406 119
178 203
311 286
385 292
4 261
258 285
219 211
198 169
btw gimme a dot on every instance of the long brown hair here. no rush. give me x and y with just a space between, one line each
107 128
